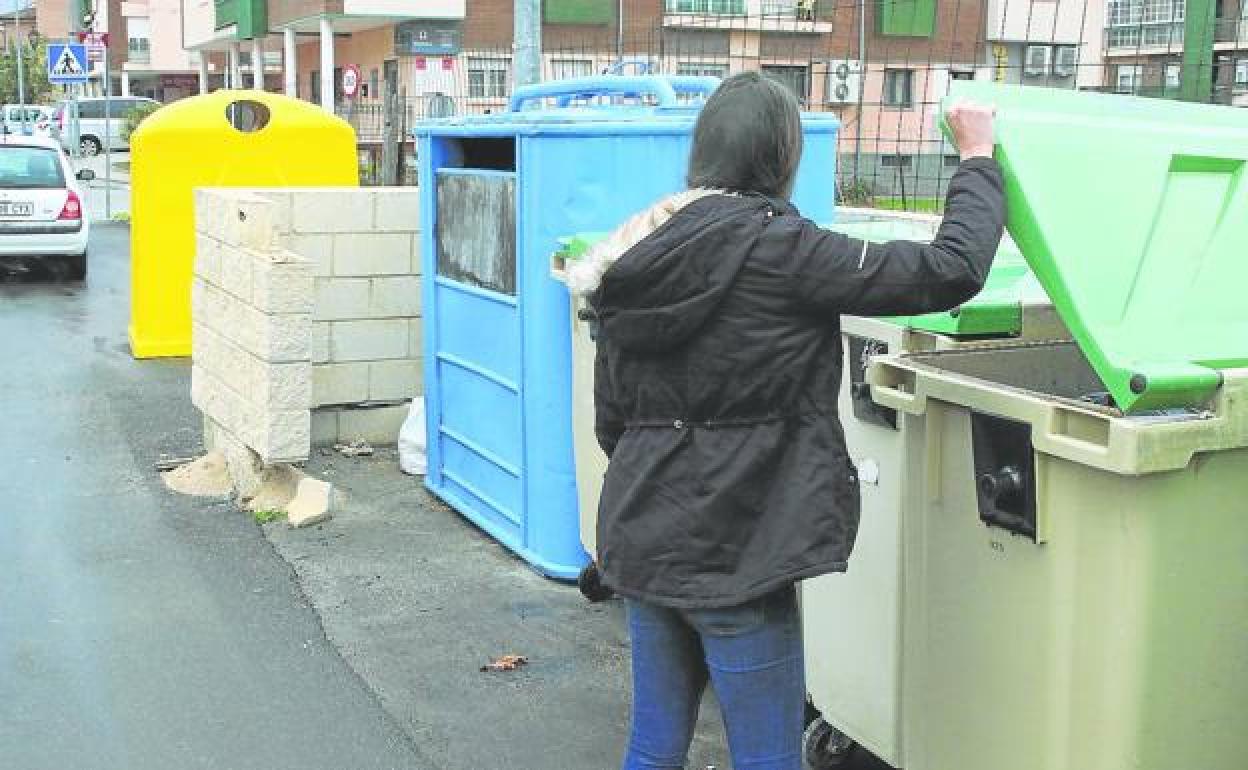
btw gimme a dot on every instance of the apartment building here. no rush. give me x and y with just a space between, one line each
1144 44
156 65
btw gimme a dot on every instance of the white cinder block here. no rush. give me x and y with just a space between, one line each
376 426
394 380
332 210
418 267
368 340
324 427
210 212
317 249
286 437
236 272
247 220
285 287
398 209
320 342
339 384
372 254
395 297
341 299
288 387
287 338
415 342
208 258
282 212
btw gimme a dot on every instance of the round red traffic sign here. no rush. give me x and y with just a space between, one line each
350 80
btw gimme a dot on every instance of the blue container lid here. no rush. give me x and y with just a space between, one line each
666 114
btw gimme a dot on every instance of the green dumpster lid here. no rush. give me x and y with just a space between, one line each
997 311
1133 215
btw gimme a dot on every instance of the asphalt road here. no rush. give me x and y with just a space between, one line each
139 629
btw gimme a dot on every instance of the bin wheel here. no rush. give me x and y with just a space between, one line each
89 146
824 747
590 583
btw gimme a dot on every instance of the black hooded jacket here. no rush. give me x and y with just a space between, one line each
716 379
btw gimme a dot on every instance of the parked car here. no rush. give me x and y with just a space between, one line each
41 205
91 121
11 119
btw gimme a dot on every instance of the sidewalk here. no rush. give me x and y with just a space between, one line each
417 600
97 200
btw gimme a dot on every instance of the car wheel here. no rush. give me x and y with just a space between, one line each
76 267
89 146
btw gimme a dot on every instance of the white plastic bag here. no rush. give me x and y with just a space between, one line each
412 440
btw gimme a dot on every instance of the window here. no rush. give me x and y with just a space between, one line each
710 7
702 69
314 82
562 69
30 168
796 78
906 18
1241 70
953 161
91 110
896 161
138 40
1129 77
899 88
487 77
962 75
374 83
1067 61
1174 75
1137 23
1037 62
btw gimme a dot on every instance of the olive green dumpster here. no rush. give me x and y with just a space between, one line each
852 622
1076 529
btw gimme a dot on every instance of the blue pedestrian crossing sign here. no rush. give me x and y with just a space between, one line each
67 63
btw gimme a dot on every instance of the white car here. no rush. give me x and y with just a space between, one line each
41 206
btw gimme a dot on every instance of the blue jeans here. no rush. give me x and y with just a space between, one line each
752 656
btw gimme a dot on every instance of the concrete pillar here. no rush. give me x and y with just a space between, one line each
234 76
290 63
327 64
203 72
125 83
257 64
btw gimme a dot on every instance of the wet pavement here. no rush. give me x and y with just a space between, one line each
137 629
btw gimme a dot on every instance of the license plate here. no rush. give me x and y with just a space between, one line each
8 209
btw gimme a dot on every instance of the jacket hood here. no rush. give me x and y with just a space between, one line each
678 261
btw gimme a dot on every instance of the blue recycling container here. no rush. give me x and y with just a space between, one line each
498 191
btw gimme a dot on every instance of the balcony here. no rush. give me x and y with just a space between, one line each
1167 37
250 18
753 15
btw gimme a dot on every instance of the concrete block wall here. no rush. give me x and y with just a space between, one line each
251 337
358 298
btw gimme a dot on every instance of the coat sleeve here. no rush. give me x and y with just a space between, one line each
837 274
608 417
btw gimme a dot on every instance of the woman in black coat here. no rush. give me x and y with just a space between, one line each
716 380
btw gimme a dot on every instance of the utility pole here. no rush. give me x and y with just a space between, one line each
21 68
528 42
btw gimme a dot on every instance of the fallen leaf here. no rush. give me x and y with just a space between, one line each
505 663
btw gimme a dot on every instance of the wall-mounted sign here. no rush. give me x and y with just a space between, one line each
428 37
